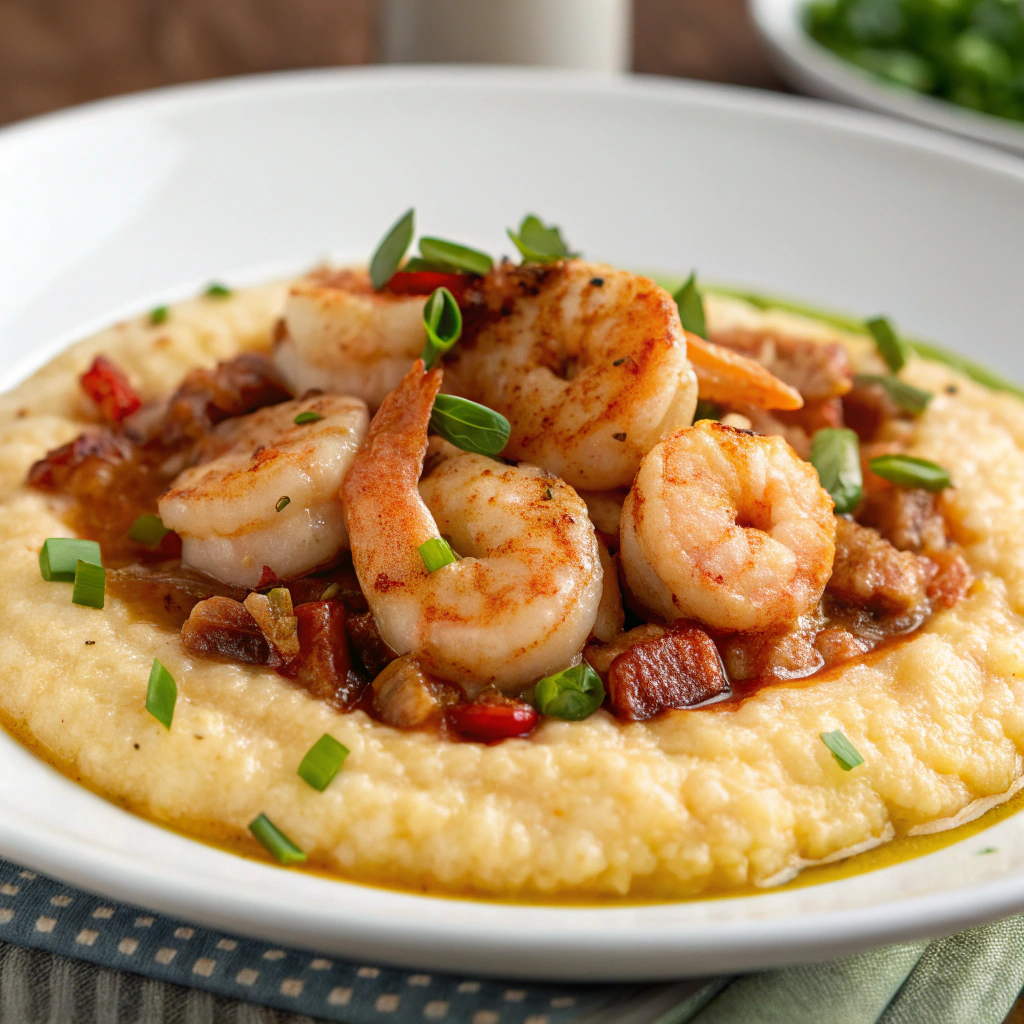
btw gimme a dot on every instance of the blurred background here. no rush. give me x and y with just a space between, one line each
54 53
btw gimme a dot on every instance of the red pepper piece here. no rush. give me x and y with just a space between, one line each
107 385
423 282
493 721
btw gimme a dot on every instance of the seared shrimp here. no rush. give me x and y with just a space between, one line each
339 335
728 377
522 599
266 492
727 527
587 362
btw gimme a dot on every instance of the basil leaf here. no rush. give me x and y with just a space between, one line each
572 694
442 319
691 307
392 248
540 244
835 454
908 471
906 396
455 257
469 426
891 347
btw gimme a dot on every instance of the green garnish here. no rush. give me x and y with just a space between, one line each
548 495
322 761
835 454
572 694
436 553
989 849
90 580
707 410
442 319
450 256
842 749
307 417
60 556
330 591
891 347
275 842
469 426
418 263
148 530
282 503
691 307
908 471
391 250
906 396
539 244
159 315
161 694
215 290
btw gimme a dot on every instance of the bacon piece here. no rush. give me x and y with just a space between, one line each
166 598
107 385
206 397
370 648
274 615
324 665
223 629
909 518
55 469
405 696
676 670
953 579
866 407
493 720
772 657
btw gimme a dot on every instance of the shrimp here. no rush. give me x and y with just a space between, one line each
728 527
587 362
520 602
339 335
724 375
266 491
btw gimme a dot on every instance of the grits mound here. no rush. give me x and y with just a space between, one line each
737 794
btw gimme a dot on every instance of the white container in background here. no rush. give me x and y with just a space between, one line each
593 35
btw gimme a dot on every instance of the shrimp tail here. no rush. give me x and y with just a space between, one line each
726 376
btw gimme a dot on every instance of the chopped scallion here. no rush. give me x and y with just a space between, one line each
148 530
322 761
282 503
161 694
90 580
60 556
216 290
159 315
842 749
538 243
707 410
691 307
309 416
835 454
572 694
908 471
437 553
452 256
442 319
906 396
275 842
469 426
891 347
391 249
331 590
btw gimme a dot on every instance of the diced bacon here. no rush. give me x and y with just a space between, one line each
100 449
107 385
223 629
324 666
369 646
405 696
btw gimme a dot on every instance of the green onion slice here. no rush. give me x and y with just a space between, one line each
452 256
891 347
842 749
707 410
159 315
215 290
835 454
691 307
469 426
60 556
322 761
161 694
275 842
282 503
437 553
538 243
148 530
90 580
442 319
392 248
307 417
908 471
331 590
906 396
572 694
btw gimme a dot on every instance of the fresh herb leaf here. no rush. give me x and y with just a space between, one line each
842 749
90 580
469 426
835 454
691 307
891 347
161 694
215 290
442 319
572 694
159 315
906 396
309 416
392 248
417 264
275 842
60 556
908 471
452 256
436 553
148 530
282 503
538 243
322 761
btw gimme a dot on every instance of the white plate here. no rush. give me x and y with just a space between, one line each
123 205
819 71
